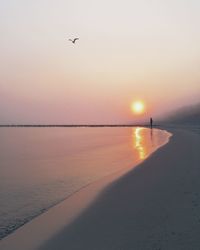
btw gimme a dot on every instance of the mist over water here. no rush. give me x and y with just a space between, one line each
39 167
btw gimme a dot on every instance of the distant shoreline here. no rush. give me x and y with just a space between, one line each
77 125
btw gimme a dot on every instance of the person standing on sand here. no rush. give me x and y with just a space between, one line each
151 122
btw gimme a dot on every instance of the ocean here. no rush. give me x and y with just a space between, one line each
40 167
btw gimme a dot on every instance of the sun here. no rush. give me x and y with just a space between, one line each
138 107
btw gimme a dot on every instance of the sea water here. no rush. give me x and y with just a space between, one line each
40 167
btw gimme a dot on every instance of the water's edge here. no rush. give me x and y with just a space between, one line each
29 219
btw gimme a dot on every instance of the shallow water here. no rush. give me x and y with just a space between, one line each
39 167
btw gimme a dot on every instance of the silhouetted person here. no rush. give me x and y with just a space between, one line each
151 122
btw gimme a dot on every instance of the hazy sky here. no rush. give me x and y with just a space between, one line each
128 49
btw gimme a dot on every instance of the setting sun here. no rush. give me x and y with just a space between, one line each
138 107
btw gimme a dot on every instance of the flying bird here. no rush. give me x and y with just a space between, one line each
74 40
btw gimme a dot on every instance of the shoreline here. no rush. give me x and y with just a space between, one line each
29 237
123 156
155 206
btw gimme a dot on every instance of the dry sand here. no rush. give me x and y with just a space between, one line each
155 206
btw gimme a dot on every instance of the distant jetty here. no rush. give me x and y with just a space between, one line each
74 125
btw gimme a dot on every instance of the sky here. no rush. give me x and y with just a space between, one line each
128 50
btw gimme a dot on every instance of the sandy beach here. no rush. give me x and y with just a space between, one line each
154 206
100 125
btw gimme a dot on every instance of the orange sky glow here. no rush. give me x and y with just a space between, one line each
128 50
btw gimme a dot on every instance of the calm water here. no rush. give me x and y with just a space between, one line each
40 167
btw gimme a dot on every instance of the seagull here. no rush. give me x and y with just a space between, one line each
74 40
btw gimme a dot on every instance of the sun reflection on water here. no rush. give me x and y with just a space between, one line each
139 143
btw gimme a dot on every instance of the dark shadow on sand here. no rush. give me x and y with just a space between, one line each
123 214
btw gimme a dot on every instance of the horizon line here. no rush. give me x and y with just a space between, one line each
74 125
